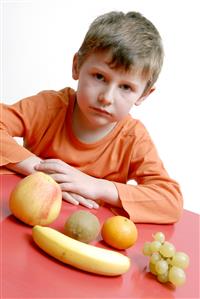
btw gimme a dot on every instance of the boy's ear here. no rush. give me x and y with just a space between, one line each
75 69
144 96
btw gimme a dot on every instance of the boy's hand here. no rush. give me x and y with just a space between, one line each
26 166
77 187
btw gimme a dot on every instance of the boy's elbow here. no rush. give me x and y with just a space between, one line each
177 208
177 214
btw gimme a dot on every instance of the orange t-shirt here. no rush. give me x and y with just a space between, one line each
126 153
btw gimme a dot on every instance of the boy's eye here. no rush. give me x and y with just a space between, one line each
126 87
99 76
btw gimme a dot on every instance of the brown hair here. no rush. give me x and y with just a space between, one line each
132 40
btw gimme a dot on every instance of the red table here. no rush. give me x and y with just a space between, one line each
27 272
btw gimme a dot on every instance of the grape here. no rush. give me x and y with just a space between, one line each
163 277
167 249
155 246
159 236
181 260
177 276
155 257
152 268
164 262
146 248
169 261
161 267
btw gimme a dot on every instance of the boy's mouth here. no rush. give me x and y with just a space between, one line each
101 111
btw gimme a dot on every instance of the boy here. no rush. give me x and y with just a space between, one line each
87 140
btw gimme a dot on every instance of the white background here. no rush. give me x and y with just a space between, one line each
39 39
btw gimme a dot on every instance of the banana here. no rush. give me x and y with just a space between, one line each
80 255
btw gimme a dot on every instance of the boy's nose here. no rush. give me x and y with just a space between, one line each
106 97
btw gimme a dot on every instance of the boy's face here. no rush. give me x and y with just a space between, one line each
106 95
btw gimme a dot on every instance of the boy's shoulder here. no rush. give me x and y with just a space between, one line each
134 129
56 99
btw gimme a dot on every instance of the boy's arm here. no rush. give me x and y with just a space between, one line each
16 121
157 202
156 198
28 118
11 153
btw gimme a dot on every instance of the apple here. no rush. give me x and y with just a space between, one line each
36 199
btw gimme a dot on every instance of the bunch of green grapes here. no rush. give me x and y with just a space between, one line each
164 261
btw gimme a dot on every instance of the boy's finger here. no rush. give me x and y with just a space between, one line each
59 177
50 167
67 197
85 202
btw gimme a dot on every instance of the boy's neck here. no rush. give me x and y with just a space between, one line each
86 132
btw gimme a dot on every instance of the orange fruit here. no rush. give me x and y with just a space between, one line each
119 232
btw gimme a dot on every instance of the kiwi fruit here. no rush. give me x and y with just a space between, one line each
82 226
